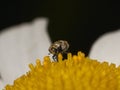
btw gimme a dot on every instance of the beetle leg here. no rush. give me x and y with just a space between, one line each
55 57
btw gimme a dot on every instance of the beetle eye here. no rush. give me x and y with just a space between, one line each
54 50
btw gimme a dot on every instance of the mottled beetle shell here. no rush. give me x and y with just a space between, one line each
60 46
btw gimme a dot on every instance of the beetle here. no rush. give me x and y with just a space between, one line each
60 46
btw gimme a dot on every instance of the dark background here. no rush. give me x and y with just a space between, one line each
80 22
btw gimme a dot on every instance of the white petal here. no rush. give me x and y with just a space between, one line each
107 48
21 45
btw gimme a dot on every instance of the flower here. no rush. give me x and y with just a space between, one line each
77 72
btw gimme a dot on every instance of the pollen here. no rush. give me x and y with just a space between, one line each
77 72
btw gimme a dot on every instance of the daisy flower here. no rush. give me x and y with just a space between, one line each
77 72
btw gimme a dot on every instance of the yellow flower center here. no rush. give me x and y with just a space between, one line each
77 72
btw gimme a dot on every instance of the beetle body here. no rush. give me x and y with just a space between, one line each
60 46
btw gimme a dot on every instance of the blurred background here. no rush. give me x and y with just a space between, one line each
80 22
